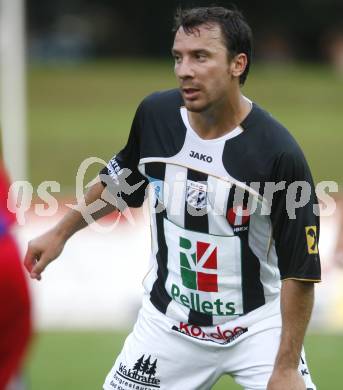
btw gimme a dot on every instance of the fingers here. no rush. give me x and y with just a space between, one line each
38 268
35 262
31 257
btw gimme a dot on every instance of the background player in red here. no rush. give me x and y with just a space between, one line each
15 311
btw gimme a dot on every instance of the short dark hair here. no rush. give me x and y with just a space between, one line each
236 32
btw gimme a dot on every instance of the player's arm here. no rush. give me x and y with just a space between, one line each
47 247
128 191
297 299
296 235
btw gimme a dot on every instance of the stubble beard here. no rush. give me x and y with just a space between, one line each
196 106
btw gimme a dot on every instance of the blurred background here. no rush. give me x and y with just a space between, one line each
72 75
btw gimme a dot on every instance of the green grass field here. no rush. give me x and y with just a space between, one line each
86 110
80 361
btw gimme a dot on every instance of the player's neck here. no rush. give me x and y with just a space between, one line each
220 119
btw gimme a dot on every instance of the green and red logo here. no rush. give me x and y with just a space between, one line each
199 265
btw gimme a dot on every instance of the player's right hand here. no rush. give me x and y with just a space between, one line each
286 379
42 251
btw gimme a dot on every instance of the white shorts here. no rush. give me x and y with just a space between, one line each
162 354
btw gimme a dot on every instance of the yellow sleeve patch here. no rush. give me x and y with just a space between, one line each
311 238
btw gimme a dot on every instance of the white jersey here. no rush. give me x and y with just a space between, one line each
216 253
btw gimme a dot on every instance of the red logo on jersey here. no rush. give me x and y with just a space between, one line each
219 336
199 267
238 217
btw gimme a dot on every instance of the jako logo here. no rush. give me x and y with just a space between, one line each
200 156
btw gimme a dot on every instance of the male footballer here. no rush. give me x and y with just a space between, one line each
231 284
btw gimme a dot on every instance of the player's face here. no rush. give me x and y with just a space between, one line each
202 67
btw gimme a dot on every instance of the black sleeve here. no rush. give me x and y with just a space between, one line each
121 174
295 230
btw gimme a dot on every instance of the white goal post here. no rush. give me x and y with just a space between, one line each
13 87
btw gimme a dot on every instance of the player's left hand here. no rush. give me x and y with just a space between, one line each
289 379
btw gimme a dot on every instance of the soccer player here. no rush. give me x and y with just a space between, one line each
231 284
15 313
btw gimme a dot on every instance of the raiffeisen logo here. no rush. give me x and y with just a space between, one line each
198 267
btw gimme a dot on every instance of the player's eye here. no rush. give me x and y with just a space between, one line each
201 57
177 58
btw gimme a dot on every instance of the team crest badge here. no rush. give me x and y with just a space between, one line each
196 194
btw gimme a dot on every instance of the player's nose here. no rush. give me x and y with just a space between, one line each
184 69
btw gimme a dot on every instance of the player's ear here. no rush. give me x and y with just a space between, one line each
238 64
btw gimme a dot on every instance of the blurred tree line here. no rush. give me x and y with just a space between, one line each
283 30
